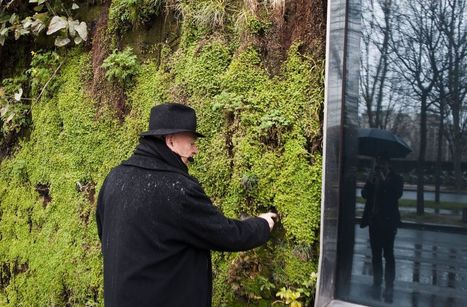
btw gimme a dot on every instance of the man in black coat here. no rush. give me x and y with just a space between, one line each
156 224
382 191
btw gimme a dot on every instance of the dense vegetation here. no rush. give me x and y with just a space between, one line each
78 112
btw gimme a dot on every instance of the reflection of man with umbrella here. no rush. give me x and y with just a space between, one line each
382 191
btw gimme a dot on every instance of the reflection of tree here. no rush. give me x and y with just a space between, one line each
374 65
420 59
453 26
378 84
440 111
414 41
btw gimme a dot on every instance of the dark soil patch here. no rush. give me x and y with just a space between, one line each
88 189
299 20
44 193
9 270
101 90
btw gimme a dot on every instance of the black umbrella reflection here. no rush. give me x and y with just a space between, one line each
376 142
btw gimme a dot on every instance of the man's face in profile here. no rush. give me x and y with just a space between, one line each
184 144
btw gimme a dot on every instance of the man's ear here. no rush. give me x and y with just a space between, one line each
169 141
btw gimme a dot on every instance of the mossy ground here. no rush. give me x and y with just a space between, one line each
256 157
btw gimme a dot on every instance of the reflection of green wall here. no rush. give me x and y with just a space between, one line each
256 156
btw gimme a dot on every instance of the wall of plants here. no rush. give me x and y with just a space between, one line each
78 79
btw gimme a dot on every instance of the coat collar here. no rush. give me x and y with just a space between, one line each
155 164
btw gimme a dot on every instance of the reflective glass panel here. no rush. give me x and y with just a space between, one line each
403 234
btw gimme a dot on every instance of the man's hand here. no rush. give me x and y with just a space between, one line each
269 217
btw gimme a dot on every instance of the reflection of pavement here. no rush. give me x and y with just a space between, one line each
431 269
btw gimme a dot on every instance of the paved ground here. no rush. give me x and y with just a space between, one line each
431 269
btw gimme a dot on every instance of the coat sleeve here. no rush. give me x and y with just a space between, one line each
100 210
205 227
395 187
367 191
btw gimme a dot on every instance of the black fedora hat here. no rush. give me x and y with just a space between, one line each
171 118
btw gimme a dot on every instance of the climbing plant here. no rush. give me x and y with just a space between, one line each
33 18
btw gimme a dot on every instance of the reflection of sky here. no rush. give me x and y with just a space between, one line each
372 14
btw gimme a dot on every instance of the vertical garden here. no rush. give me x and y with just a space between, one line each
78 80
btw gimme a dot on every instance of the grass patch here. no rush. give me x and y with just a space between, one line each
428 204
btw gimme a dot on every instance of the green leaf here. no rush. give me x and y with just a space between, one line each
4 31
10 118
82 30
27 22
41 16
4 110
4 18
62 41
20 31
57 23
13 18
37 27
72 24
38 8
74 6
19 94
78 40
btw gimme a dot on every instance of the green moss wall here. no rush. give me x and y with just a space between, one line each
258 155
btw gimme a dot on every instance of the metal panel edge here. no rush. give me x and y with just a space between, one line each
332 130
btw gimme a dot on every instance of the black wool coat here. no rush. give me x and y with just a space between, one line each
382 202
157 227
